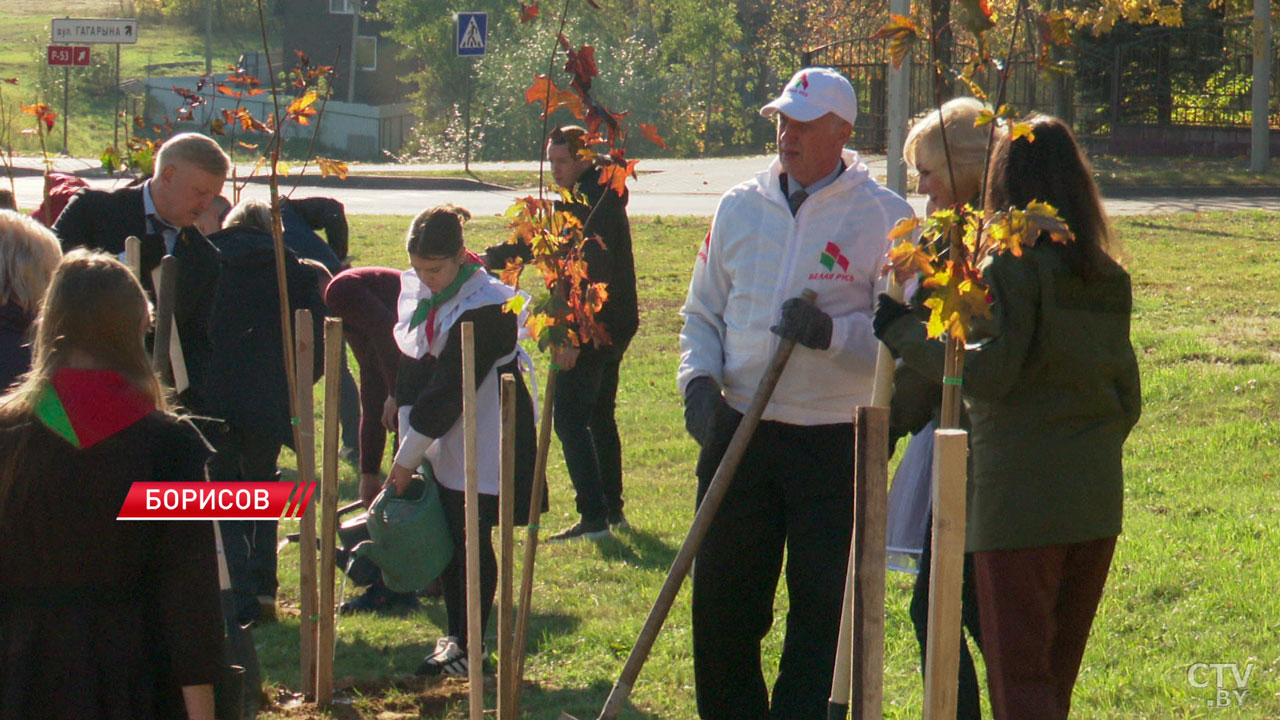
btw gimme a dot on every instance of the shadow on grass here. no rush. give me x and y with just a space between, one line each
1185 230
639 548
580 703
356 657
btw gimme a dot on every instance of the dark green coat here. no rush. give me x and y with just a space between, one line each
1052 392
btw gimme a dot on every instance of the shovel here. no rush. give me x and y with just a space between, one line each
701 524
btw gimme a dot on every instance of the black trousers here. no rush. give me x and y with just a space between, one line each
248 454
584 408
793 492
453 581
968 706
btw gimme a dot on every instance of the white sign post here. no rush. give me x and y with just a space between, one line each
104 31
471 39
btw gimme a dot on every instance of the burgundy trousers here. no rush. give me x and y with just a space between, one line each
1036 606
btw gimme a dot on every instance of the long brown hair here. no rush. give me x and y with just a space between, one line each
1052 169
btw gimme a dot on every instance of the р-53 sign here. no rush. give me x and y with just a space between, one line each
116 31
68 55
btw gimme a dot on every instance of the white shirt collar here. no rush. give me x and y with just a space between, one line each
794 187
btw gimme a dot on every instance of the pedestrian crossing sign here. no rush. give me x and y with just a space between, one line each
472 33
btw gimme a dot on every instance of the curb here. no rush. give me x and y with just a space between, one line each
365 182
1137 192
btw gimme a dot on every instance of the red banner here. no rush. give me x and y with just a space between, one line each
215 501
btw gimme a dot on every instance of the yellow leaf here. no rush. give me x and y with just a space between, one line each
329 166
1020 130
302 103
515 304
904 228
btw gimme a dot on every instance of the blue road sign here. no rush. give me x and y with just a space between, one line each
472 33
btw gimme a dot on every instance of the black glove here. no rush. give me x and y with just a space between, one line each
704 406
803 322
888 311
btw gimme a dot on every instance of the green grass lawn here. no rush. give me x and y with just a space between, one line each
1195 573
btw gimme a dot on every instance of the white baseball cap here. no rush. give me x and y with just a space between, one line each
814 92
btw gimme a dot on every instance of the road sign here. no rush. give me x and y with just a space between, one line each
69 55
472 33
117 31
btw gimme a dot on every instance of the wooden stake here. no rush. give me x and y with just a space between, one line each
329 507
942 648
952 374
306 452
531 539
871 509
882 390
506 518
475 630
842 675
166 292
859 670
133 256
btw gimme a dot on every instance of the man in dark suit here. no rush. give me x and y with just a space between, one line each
189 174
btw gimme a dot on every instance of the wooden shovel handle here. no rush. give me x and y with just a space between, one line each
701 524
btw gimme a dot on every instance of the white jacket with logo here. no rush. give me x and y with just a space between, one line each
755 257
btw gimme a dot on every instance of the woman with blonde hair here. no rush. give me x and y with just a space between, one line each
100 618
965 146
917 398
29 252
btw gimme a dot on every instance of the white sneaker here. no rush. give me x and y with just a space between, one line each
431 664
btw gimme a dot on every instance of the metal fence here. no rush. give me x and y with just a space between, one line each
1162 78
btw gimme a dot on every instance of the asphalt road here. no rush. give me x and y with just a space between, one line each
665 187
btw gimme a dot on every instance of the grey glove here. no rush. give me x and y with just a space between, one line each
803 322
704 406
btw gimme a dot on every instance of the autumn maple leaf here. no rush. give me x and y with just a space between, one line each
901 32
650 133
528 12
552 98
615 175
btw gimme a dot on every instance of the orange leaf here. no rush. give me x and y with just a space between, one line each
528 12
615 175
228 91
901 32
650 133
511 273
552 98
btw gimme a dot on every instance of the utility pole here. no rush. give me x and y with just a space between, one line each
208 37
1260 157
899 110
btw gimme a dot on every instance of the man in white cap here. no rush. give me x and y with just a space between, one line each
814 219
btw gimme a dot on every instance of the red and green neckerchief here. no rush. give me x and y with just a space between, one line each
426 310
86 407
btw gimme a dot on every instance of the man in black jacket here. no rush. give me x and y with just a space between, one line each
190 171
587 384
